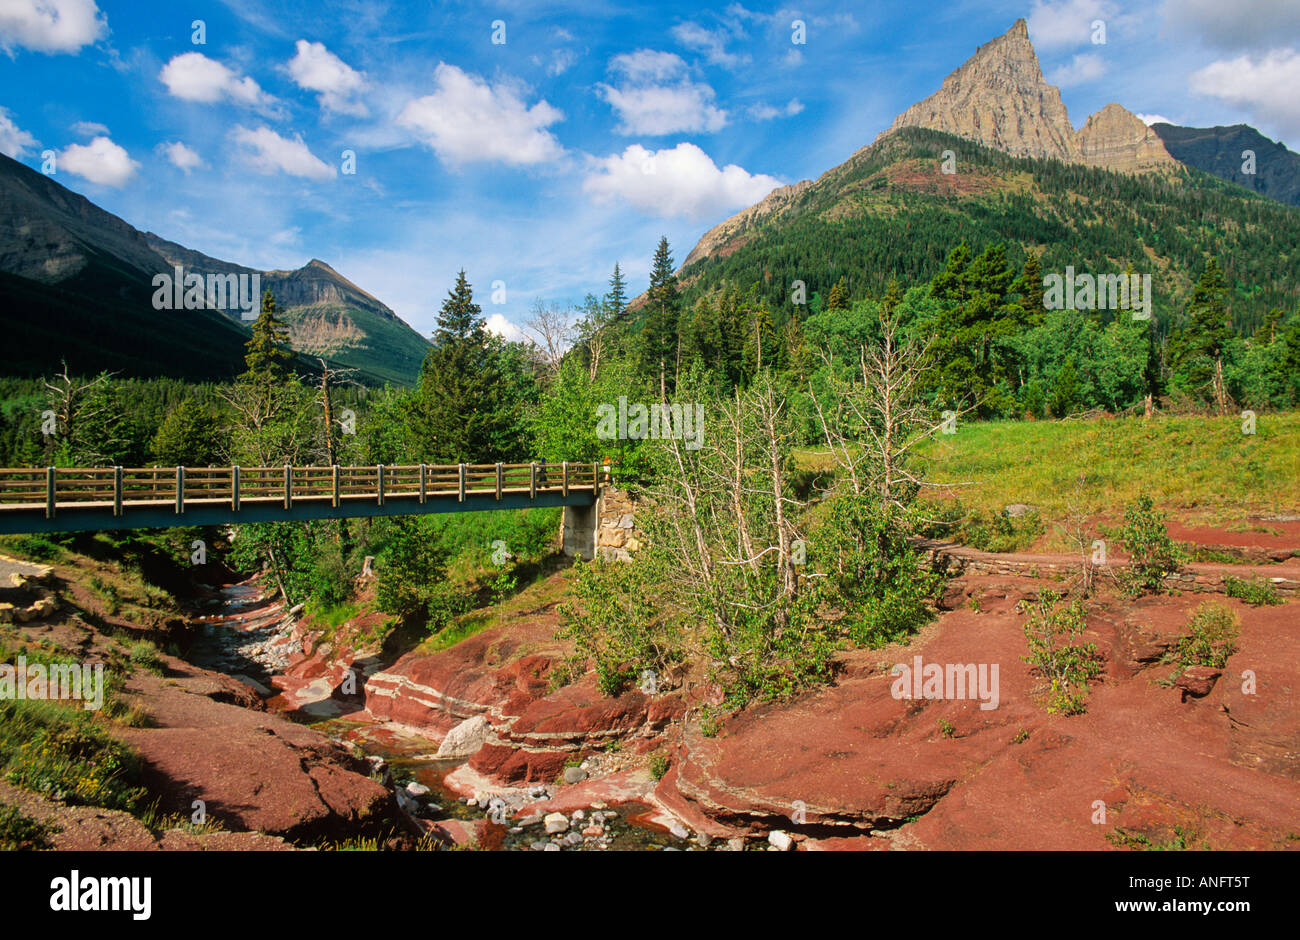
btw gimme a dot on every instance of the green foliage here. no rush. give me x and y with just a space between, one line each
189 436
19 832
471 404
1152 553
410 568
658 765
268 356
1211 638
144 654
615 623
874 573
1067 666
981 529
61 751
1259 592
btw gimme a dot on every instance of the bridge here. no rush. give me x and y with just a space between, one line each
74 499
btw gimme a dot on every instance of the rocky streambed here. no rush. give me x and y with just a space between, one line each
570 797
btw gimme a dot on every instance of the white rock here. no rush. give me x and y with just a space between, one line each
780 841
556 822
466 738
679 831
579 815
417 789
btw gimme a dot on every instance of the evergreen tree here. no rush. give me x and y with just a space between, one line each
189 436
839 296
473 388
1030 288
1206 330
660 340
268 355
616 296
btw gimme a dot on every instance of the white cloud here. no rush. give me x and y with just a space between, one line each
269 152
50 25
1149 119
711 42
559 62
765 112
1257 25
89 129
14 141
192 76
1084 67
100 161
656 96
1263 86
315 68
180 155
1067 23
498 324
681 182
467 120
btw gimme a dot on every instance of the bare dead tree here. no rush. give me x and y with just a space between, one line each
339 376
550 334
877 421
724 515
76 405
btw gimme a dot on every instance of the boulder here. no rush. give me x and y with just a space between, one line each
465 739
1197 681
556 822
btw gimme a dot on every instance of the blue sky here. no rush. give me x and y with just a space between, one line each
577 138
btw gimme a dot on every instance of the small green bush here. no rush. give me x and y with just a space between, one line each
19 831
1067 666
1258 593
1210 640
1152 553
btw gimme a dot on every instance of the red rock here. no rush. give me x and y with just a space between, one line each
1197 681
851 754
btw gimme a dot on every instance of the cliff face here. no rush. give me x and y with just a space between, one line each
1117 139
1000 99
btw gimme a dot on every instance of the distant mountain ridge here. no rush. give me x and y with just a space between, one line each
78 284
999 99
1222 151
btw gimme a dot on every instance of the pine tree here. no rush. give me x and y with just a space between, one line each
1198 355
660 336
616 297
460 319
1030 288
468 406
268 355
839 296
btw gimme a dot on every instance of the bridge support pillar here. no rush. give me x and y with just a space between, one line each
579 530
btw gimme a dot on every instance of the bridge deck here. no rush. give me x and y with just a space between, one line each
55 499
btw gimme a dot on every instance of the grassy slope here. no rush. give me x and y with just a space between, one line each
1194 467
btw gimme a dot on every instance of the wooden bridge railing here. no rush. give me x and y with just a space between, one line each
53 488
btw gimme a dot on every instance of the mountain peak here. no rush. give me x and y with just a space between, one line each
999 98
1117 139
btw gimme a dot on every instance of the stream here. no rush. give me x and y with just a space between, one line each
246 634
